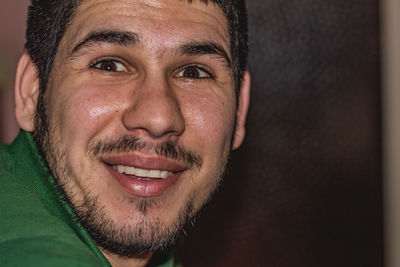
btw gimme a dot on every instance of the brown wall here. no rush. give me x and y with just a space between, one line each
12 28
391 110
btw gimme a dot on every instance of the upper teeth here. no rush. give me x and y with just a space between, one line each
142 172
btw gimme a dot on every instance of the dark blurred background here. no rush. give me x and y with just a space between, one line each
305 189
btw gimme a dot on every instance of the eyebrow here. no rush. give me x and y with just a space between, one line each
207 48
126 38
122 38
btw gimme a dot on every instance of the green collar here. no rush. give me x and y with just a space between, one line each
30 164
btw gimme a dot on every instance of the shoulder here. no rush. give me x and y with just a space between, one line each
30 235
44 251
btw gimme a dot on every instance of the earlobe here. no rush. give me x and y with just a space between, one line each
243 106
26 92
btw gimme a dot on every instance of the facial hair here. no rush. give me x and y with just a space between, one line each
149 234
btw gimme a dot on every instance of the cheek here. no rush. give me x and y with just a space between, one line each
90 114
212 121
211 129
84 110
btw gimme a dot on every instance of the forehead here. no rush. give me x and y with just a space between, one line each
157 22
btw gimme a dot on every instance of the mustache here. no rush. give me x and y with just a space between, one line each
126 144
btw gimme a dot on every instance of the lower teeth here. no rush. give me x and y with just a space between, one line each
142 178
146 179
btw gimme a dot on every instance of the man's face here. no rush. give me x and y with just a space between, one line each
141 111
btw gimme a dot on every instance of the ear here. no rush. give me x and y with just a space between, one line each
243 106
26 92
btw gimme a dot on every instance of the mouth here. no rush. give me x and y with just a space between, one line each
144 176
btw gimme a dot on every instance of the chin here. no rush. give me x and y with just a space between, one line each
144 231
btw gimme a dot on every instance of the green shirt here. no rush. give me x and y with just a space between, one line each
38 228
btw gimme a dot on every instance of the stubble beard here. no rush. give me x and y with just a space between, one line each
149 234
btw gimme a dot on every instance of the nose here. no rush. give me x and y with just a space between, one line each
154 110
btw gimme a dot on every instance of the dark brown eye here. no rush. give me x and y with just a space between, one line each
191 72
194 72
110 65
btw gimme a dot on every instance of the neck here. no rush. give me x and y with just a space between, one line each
125 261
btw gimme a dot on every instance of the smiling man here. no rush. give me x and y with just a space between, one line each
128 112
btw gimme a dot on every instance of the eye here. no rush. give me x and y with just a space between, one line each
109 65
194 72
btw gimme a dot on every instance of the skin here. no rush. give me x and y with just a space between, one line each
151 97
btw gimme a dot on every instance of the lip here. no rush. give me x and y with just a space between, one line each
136 186
146 162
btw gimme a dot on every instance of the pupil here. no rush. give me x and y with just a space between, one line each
109 66
192 73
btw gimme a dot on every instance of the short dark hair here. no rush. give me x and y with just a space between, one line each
49 19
